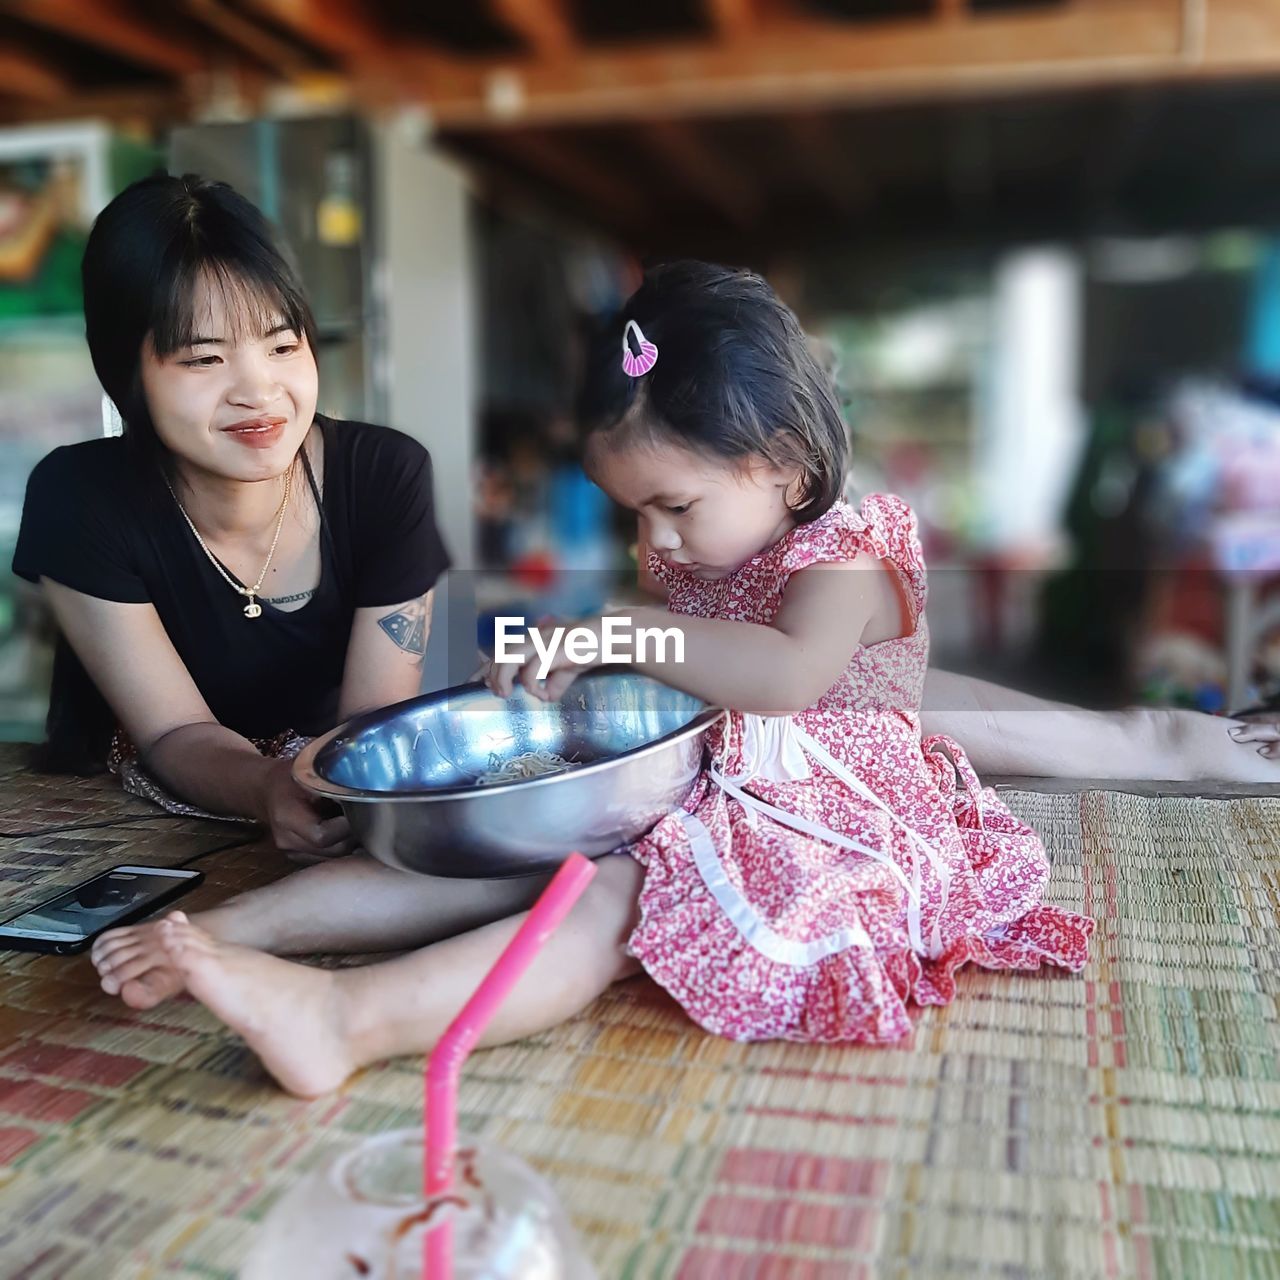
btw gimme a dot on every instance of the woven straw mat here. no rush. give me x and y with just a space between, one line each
1123 1123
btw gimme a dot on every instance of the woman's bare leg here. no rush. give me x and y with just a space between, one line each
311 1028
345 905
1007 732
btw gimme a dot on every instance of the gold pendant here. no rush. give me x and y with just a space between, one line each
253 609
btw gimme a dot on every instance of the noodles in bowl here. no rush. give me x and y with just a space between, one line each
529 764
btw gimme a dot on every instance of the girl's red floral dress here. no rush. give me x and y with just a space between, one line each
830 869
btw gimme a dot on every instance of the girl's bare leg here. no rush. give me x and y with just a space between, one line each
312 1028
360 904
348 904
1004 731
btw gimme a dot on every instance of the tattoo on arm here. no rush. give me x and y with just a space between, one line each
408 627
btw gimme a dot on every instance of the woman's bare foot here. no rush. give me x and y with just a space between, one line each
1205 748
288 1014
133 964
1262 731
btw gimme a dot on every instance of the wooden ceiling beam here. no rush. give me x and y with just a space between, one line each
243 33
339 27
114 28
125 107
382 69
713 180
731 19
1234 34
798 63
493 181
618 203
813 139
27 77
544 25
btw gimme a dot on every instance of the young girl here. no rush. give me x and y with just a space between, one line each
829 870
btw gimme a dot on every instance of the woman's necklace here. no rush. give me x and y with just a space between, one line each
253 609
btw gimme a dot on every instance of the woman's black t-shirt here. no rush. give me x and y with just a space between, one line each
96 521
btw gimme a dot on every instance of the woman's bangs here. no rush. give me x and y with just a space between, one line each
203 299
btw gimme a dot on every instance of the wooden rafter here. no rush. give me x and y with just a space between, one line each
543 25
715 181
557 160
125 106
32 79
754 56
342 28
812 139
110 25
265 47
791 62
1236 35
731 19
368 52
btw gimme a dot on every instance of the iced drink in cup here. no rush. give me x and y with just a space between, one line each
394 1209
363 1217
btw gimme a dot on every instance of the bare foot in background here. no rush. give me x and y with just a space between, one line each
1206 748
1262 732
1009 732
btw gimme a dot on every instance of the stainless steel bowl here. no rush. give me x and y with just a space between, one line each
407 775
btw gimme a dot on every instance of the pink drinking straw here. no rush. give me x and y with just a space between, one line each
445 1064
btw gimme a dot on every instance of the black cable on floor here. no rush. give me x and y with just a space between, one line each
222 848
36 832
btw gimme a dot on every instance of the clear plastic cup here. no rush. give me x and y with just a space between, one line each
364 1218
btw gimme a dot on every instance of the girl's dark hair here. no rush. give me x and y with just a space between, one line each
735 378
148 251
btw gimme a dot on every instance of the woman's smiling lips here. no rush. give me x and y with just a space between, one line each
257 433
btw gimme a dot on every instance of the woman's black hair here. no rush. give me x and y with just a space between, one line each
735 379
149 250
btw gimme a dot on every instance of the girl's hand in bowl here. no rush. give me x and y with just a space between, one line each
545 668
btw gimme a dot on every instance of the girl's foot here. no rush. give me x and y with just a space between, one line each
133 964
288 1014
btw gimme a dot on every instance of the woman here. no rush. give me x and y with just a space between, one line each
236 567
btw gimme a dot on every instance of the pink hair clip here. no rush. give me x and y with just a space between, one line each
636 366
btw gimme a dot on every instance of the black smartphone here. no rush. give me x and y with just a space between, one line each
68 924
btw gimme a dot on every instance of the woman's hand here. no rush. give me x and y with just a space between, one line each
527 663
298 821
